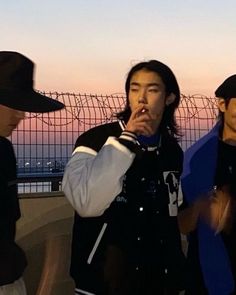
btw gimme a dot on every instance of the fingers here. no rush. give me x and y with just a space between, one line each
139 111
140 121
143 128
216 211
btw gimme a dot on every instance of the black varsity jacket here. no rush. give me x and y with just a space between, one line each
136 232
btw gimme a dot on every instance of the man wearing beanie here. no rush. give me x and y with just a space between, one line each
209 186
17 96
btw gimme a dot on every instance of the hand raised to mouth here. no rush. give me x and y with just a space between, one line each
140 122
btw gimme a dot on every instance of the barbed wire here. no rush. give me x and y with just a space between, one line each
91 109
44 142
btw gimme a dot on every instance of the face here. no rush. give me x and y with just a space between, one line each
9 119
229 131
148 87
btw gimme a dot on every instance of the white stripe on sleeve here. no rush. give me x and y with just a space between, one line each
92 180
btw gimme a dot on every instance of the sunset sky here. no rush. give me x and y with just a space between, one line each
88 46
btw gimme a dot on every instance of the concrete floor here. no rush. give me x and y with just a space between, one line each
44 232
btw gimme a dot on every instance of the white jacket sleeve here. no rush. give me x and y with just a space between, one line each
92 180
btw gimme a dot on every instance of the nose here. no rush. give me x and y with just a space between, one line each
141 100
143 96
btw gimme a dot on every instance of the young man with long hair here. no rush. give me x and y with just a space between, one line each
123 182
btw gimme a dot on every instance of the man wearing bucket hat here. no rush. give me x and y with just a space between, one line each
17 96
209 175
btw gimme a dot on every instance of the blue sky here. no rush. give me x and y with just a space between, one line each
89 46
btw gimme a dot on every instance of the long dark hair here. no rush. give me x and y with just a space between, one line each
168 122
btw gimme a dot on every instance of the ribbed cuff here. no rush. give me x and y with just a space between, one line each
129 140
128 135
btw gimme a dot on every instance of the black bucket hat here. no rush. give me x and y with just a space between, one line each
227 89
16 85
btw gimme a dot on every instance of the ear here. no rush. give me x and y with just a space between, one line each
170 99
221 105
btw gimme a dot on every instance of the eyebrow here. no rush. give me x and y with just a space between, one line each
149 84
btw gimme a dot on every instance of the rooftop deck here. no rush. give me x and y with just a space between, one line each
43 145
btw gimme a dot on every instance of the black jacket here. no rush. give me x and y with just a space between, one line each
12 258
135 243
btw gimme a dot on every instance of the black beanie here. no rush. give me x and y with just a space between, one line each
227 89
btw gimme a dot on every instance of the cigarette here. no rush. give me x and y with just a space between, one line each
142 112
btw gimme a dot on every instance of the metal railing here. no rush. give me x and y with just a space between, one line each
43 142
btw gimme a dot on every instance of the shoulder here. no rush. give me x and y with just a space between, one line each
172 146
172 153
203 153
5 142
5 146
7 157
204 145
97 136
